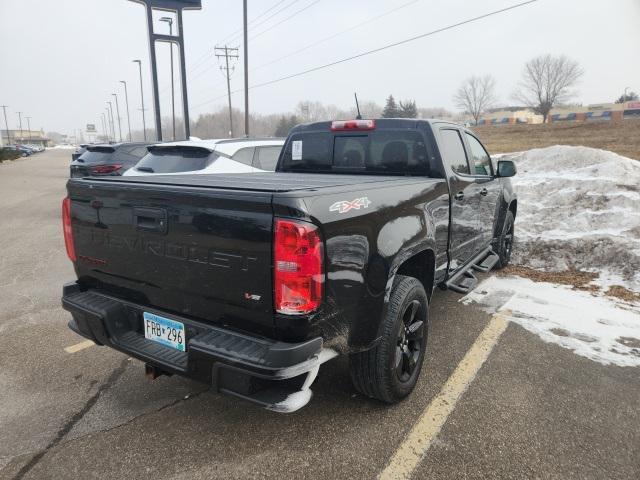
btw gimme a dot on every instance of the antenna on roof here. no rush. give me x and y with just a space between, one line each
359 117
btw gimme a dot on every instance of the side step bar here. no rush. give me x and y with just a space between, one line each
464 280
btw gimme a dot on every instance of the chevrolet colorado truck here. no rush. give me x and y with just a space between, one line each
250 282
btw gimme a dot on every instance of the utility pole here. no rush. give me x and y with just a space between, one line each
228 53
169 20
113 125
6 124
29 127
144 124
126 99
21 134
118 113
246 69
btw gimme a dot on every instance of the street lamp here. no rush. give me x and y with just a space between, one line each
144 125
115 95
29 127
624 97
126 99
169 20
113 128
104 126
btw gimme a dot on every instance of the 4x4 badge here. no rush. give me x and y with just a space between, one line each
344 206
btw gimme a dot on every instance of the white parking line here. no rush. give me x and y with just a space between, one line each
410 452
79 346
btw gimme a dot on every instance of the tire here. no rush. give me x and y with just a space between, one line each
389 371
505 243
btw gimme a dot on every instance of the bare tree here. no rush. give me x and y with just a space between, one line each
547 81
476 95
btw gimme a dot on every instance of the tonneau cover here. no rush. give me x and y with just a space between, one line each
262 182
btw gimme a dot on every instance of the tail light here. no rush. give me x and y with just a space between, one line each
104 169
68 231
348 125
299 267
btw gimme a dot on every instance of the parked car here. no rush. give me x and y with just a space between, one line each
80 149
26 151
250 282
108 159
210 156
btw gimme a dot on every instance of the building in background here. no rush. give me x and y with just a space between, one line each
24 137
510 116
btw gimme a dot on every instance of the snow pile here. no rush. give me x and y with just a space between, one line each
595 327
579 208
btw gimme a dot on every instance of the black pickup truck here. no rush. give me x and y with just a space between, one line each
250 282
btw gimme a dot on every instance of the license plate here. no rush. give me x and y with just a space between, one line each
164 331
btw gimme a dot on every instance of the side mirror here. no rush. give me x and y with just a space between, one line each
506 168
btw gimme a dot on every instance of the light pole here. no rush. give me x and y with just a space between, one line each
624 97
246 69
29 127
115 95
6 124
169 20
144 125
126 99
104 126
108 121
20 119
113 126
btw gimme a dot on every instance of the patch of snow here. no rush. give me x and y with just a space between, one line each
578 207
595 327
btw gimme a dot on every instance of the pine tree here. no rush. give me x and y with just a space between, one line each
408 109
391 108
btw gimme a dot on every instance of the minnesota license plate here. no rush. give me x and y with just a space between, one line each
164 330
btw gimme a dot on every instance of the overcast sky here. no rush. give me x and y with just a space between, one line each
61 60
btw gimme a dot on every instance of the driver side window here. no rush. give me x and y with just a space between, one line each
479 157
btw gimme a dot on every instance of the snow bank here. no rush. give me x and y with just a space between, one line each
595 327
578 207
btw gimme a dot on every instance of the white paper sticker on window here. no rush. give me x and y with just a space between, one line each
296 150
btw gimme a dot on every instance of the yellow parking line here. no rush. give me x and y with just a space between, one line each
79 346
410 452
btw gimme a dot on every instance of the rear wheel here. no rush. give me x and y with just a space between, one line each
505 246
389 371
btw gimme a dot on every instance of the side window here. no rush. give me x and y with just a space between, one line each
453 151
479 156
267 158
244 155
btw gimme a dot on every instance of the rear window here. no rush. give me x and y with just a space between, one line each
175 160
385 152
96 156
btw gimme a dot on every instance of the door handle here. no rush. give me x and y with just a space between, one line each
484 192
150 219
459 196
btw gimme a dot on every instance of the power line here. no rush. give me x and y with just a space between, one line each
202 60
236 32
286 19
330 37
289 5
380 49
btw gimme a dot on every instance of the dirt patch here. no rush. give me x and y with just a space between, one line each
629 342
618 291
622 138
577 279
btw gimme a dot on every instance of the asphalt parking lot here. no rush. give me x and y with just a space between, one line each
510 405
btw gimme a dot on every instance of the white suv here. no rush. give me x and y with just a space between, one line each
201 157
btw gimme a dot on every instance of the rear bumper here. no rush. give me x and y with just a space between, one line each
273 374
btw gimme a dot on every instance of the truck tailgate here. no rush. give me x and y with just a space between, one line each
204 253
